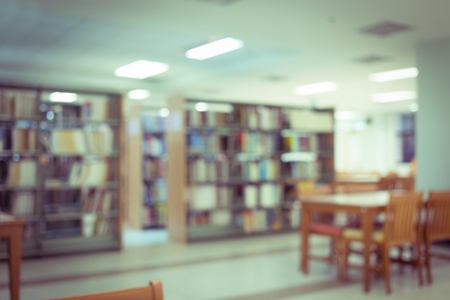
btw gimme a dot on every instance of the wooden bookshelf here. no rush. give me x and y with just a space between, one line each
60 166
239 170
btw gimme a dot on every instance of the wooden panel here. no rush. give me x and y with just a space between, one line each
134 166
176 175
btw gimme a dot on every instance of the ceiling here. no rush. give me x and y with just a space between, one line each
79 44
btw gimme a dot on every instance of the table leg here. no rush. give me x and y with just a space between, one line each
15 257
367 227
305 239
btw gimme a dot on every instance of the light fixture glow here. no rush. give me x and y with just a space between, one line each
201 106
414 107
359 126
394 75
394 96
164 112
316 88
63 97
141 69
345 115
215 48
139 94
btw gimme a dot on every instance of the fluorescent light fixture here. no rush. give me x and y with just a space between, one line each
63 97
139 94
201 106
414 107
394 96
299 156
164 112
345 115
141 69
394 75
316 88
359 126
215 48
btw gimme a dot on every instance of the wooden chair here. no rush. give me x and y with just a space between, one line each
405 183
437 226
152 292
402 226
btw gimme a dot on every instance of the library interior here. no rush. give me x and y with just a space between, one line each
224 149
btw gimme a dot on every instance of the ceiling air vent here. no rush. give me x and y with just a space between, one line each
385 29
372 59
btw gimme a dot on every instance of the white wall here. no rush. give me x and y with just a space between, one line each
375 149
433 118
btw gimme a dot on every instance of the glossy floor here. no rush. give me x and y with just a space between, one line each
262 268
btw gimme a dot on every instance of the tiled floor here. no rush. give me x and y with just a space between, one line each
262 268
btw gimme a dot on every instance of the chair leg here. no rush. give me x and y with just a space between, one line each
419 263
387 275
428 262
342 255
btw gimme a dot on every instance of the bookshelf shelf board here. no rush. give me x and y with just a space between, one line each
21 153
111 122
86 155
14 119
154 133
156 226
236 207
63 245
151 156
237 181
229 128
18 188
152 181
65 186
210 233
79 215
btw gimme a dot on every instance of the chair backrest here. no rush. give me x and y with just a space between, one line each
405 183
386 183
438 216
152 292
403 218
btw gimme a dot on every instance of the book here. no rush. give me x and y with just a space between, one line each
203 197
22 204
251 196
22 173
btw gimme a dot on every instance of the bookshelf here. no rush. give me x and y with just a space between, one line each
60 166
154 162
239 170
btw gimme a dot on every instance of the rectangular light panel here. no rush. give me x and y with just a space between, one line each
215 48
141 69
394 75
394 96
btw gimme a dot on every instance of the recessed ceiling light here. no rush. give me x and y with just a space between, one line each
201 106
63 97
394 75
139 94
414 107
164 112
141 69
394 96
215 48
316 88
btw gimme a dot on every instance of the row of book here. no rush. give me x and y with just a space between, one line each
18 139
243 141
259 117
97 200
18 104
153 169
250 220
22 204
201 170
90 108
89 173
305 170
301 143
263 170
153 145
151 122
79 141
18 173
155 216
196 118
210 197
155 192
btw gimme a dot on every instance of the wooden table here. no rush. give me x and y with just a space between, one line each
365 204
12 228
